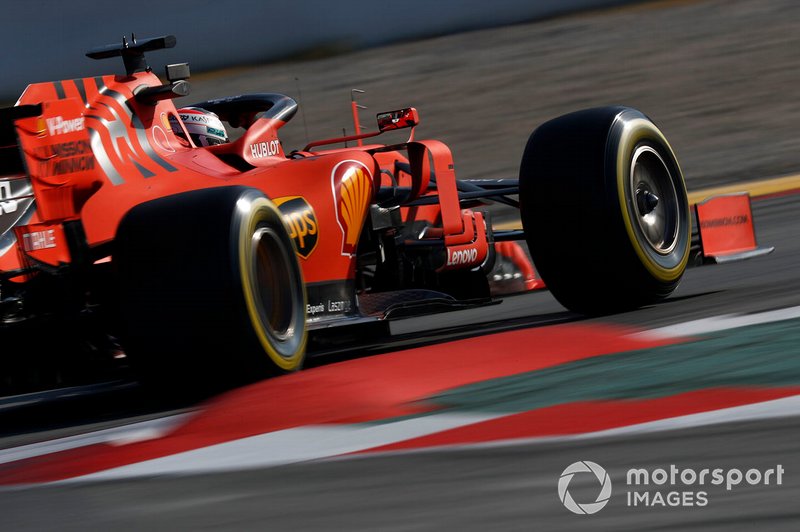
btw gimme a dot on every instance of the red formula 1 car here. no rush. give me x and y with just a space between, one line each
213 266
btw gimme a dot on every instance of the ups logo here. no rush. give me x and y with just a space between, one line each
302 223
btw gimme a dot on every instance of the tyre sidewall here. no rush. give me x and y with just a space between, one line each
629 131
578 215
183 269
286 354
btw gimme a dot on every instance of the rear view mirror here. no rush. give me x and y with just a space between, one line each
399 119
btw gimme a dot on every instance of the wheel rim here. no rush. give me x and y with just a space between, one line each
274 278
654 200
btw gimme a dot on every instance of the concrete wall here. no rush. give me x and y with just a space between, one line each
45 40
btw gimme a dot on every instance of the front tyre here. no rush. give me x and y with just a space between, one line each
605 211
211 293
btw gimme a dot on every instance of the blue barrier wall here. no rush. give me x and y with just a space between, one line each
45 40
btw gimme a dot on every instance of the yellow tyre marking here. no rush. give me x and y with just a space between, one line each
634 131
255 213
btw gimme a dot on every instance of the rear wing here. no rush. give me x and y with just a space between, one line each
47 172
16 191
58 157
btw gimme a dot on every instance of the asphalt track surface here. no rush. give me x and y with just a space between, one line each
497 487
750 134
719 78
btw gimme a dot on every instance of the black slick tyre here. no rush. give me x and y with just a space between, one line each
605 211
211 294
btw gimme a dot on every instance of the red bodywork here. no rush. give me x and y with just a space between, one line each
96 151
380 231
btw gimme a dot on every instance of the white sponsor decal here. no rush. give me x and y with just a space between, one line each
338 306
161 139
265 149
58 126
329 306
465 256
7 205
194 118
315 309
39 240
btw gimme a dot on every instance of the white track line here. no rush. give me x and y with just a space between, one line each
328 441
719 323
143 430
303 444
772 409
289 446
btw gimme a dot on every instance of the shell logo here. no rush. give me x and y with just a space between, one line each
352 193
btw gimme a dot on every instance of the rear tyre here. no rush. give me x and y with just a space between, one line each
605 211
211 292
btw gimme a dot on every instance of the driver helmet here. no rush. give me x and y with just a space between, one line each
205 127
